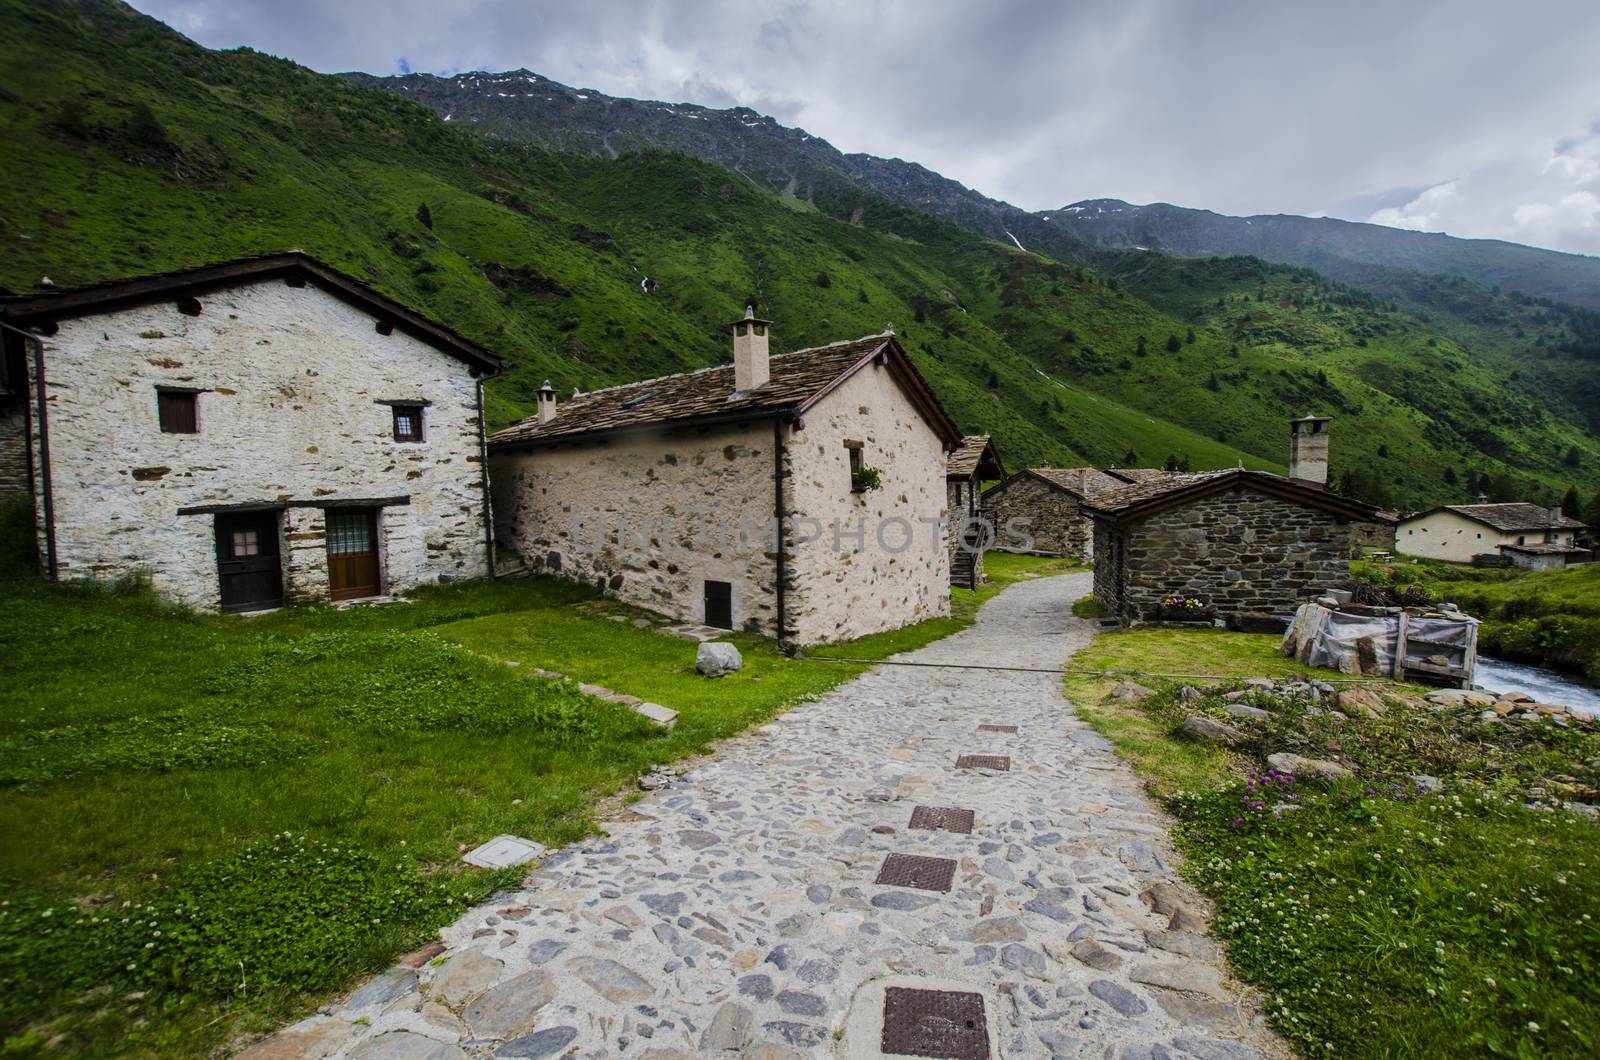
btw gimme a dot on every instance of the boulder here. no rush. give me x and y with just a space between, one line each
717 658
1190 694
1207 730
1515 697
1478 699
1426 783
1360 702
1240 710
1130 692
1298 766
1446 697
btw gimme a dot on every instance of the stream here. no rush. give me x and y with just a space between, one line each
1544 685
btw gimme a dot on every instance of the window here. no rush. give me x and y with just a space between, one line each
856 464
176 410
1522 540
246 543
408 423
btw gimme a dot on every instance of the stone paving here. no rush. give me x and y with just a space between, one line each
736 911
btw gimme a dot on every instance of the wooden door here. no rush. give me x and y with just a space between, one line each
719 604
352 553
247 561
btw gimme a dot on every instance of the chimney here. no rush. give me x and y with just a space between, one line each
1308 451
750 351
546 402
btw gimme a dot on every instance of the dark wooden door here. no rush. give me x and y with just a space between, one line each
719 604
352 554
247 561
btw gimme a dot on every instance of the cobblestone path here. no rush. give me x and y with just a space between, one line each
738 912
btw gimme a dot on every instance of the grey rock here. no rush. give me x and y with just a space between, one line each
801 1003
466 975
818 971
999 929
1241 710
717 659
818 893
1314 768
542 951
697 839
757 986
729 1030
392 985
613 981
548 1042
1207 730
1053 903
905 901
1096 956
1427 783
1125 1001
511 1008
1191 977
1130 692
1023 959
1211 1049
804 1035
403 1045
665 904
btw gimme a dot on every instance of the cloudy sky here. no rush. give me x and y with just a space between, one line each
1460 116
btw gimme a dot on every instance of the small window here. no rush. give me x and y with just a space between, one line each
1522 540
176 409
246 543
408 423
857 462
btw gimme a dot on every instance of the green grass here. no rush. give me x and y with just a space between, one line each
1088 607
161 758
1378 920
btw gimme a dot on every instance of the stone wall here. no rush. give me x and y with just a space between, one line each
1239 550
1053 516
648 517
888 565
1364 536
289 381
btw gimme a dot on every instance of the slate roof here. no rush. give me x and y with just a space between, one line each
1083 481
1138 499
1140 474
797 381
968 459
65 304
1543 549
1508 518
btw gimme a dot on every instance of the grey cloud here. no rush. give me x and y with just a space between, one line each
1356 109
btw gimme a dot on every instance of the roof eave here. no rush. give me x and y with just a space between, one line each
499 444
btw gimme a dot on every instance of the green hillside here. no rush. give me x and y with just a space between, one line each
133 150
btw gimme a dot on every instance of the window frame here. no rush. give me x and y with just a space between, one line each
187 398
418 431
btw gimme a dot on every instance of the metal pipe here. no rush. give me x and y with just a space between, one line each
778 521
47 503
483 466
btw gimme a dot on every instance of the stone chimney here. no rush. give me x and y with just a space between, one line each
750 362
1308 451
546 402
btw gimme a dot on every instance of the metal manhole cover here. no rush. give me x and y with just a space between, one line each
996 728
983 762
914 870
944 1023
947 818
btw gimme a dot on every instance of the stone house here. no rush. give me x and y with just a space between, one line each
799 496
972 463
1048 504
1238 541
263 431
1526 533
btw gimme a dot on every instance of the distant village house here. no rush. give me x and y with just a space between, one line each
799 496
1051 501
264 431
1525 534
972 463
1234 542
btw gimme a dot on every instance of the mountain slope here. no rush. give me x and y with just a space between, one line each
523 106
146 152
1339 249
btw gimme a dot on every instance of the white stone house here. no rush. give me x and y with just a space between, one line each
263 431
741 496
1526 533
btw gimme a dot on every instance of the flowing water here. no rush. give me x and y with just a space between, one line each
1546 686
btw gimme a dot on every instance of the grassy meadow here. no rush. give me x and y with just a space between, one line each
1378 917
215 822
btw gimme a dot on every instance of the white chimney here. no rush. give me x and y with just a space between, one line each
546 402
1308 451
750 366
